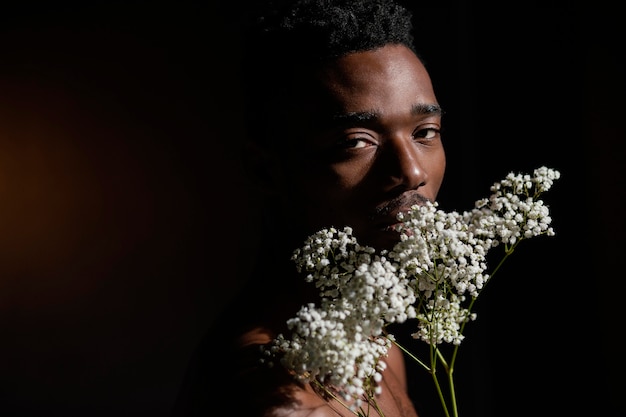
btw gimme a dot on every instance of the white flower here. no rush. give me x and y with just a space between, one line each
432 276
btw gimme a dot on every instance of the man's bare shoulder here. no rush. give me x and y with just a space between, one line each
255 336
294 399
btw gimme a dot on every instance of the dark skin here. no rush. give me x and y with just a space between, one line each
366 145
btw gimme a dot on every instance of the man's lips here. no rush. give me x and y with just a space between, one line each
386 215
390 222
403 201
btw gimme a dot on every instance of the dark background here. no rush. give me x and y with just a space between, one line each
124 217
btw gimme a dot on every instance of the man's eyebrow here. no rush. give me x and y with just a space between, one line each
370 115
354 117
423 108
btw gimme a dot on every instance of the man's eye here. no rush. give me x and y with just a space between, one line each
355 143
356 140
428 133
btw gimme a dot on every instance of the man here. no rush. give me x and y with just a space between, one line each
344 130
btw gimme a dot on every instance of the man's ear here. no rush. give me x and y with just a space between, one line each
262 168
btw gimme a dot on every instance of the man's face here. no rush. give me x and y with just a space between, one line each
365 145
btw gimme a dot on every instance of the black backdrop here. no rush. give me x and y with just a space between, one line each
123 208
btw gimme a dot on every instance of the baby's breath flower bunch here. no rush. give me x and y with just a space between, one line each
432 276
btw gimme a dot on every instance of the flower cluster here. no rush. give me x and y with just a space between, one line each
433 274
341 342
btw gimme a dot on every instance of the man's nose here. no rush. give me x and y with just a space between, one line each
403 161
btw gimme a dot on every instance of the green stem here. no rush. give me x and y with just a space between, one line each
452 389
336 398
411 355
436 354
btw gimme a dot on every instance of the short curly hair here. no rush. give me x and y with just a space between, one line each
288 38
323 29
